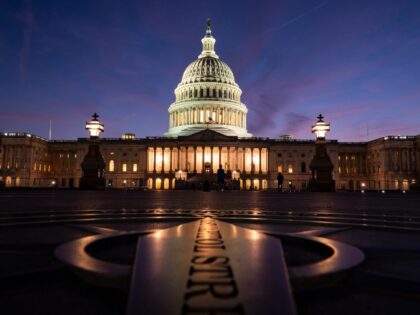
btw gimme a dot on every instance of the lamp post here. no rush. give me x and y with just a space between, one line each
93 164
321 165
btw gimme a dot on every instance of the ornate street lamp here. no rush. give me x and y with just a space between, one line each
95 127
321 165
93 164
320 128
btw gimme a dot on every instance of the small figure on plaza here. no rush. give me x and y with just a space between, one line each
220 177
280 181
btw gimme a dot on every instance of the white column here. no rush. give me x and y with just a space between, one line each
154 159
228 158
211 159
170 159
259 152
179 158
186 158
202 159
195 159
243 160
163 160
267 160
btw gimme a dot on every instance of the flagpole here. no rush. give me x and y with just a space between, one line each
50 132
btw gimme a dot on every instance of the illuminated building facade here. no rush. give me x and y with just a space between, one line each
207 128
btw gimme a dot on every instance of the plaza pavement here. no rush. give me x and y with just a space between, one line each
386 227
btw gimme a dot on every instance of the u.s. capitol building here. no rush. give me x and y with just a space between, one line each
208 128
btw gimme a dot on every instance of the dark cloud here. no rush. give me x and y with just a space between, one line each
263 114
295 123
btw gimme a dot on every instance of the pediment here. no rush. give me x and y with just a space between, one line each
208 134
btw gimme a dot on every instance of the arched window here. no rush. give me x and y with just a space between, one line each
158 183
214 92
190 93
225 94
150 183
166 183
8 181
201 92
111 166
195 93
208 92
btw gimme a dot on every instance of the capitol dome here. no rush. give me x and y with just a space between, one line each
208 97
208 69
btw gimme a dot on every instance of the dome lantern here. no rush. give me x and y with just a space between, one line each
208 43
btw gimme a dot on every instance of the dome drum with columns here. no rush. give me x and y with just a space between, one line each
208 97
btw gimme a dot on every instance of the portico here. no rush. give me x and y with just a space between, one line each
202 154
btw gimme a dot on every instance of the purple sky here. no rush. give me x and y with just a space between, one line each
356 62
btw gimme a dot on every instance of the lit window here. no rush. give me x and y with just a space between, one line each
111 166
290 168
49 168
339 170
34 166
124 167
135 167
